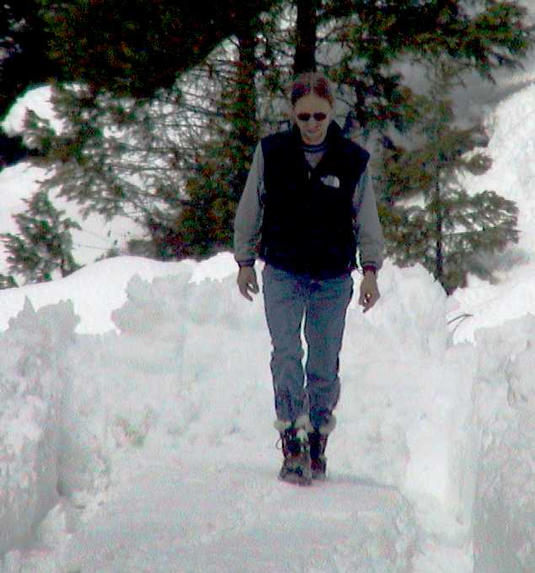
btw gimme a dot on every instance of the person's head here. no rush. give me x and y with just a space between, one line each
312 102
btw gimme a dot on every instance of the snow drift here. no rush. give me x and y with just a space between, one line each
187 364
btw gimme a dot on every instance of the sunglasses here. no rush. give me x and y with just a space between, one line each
319 116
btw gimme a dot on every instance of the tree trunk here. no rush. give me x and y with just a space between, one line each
244 118
439 252
246 121
306 36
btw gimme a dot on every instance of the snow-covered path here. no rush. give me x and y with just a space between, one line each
236 516
150 447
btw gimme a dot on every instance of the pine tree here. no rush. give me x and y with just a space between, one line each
118 156
43 245
215 186
443 227
177 163
135 48
364 44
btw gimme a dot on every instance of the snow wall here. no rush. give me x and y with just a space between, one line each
450 425
33 373
504 415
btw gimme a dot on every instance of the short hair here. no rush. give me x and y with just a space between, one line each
311 83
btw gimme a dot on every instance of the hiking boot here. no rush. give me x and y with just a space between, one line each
296 464
318 461
317 440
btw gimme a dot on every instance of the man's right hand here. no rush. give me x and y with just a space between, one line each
247 282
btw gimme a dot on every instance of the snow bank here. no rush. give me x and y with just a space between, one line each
98 289
186 364
504 529
512 175
406 408
33 376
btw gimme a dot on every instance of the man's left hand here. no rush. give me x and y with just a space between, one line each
369 291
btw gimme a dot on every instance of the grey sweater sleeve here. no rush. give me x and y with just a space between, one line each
248 220
368 228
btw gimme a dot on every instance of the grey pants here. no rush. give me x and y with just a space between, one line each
322 304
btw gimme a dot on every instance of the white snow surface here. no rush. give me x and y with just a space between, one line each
136 417
149 445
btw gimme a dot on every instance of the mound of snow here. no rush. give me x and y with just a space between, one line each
186 368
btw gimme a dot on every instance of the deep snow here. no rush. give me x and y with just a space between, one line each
136 416
157 435
149 446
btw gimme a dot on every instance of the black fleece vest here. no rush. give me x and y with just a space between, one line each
308 213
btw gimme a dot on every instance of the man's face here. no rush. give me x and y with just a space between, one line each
312 115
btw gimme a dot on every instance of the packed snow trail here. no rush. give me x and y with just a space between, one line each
188 513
